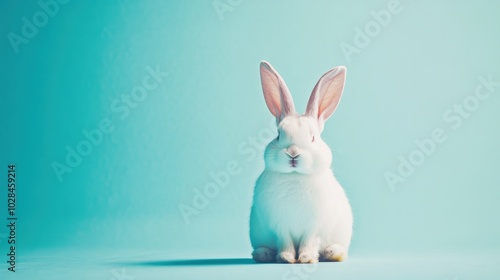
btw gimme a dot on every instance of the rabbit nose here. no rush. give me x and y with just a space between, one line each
293 152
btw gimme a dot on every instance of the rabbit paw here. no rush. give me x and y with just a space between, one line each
264 255
308 257
285 257
334 253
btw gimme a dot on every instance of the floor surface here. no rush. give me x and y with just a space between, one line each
135 266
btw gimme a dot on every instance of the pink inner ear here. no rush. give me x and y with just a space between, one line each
269 85
326 94
331 98
278 98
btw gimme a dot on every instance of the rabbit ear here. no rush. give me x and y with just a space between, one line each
278 97
326 94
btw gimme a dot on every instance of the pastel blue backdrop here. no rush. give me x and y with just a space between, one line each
406 76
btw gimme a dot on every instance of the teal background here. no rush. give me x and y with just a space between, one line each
125 195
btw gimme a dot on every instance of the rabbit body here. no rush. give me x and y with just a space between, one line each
297 208
300 213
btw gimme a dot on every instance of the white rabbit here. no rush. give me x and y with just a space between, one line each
300 212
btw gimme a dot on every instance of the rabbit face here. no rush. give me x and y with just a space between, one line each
298 147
